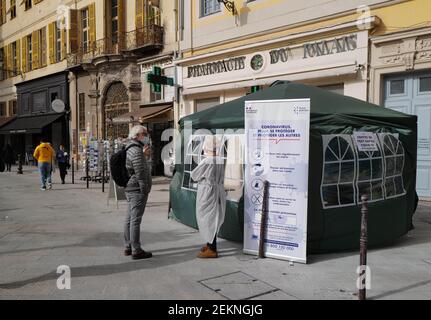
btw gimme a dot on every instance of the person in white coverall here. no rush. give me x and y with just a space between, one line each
211 196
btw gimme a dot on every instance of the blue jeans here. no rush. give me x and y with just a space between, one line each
45 174
132 226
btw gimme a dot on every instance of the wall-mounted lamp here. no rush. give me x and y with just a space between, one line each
229 5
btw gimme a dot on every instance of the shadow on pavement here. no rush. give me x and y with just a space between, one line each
179 255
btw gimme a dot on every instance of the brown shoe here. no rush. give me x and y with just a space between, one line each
207 253
127 252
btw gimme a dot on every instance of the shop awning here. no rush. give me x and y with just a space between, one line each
32 124
5 120
145 113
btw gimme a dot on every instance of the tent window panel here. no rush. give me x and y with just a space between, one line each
390 187
330 196
347 172
364 170
377 169
399 185
332 171
338 178
399 164
376 190
347 194
390 166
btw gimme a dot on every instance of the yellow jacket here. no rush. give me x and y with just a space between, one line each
44 153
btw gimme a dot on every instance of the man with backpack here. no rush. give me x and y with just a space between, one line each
130 169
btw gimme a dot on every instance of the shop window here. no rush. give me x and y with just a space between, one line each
394 157
397 87
339 167
425 84
231 151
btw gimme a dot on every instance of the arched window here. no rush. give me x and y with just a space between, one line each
116 103
394 165
339 167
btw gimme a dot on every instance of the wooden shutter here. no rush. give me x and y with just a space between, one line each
24 54
9 61
63 44
43 44
18 55
35 49
74 32
139 14
3 12
92 24
51 42
5 62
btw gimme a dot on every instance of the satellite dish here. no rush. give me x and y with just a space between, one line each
58 106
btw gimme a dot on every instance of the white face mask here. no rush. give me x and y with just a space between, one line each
145 140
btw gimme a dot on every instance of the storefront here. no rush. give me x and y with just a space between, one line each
36 118
334 58
401 80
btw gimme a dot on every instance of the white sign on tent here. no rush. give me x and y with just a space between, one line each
277 149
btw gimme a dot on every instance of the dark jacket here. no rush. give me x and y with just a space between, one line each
8 154
138 168
61 157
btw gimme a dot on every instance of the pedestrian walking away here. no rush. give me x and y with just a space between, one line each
8 157
44 155
137 190
211 196
63 162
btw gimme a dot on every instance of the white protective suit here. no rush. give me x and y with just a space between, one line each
211 196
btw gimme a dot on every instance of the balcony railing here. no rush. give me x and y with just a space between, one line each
138 41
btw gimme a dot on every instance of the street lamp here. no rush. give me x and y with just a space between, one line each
229 5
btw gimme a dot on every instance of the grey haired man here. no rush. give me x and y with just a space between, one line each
137 190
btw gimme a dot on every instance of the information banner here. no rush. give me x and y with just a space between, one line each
277 149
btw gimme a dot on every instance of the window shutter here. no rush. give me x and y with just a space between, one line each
24 55
43 45
92 24
121 22
74 32
18 55
9 62
3 12
5 62
35 49
139 14
63 43
51 40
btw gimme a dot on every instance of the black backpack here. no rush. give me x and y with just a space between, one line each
118 167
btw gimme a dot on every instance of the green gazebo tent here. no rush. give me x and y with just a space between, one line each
338 172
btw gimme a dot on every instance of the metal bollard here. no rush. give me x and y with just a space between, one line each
363 247
103 176
20 165
73 170
263 222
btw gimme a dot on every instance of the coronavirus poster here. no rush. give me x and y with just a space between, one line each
277 149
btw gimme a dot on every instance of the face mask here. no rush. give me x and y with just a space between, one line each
145 140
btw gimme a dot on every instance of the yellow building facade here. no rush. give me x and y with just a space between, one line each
86 53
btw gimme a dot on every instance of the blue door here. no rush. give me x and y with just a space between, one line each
412 94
